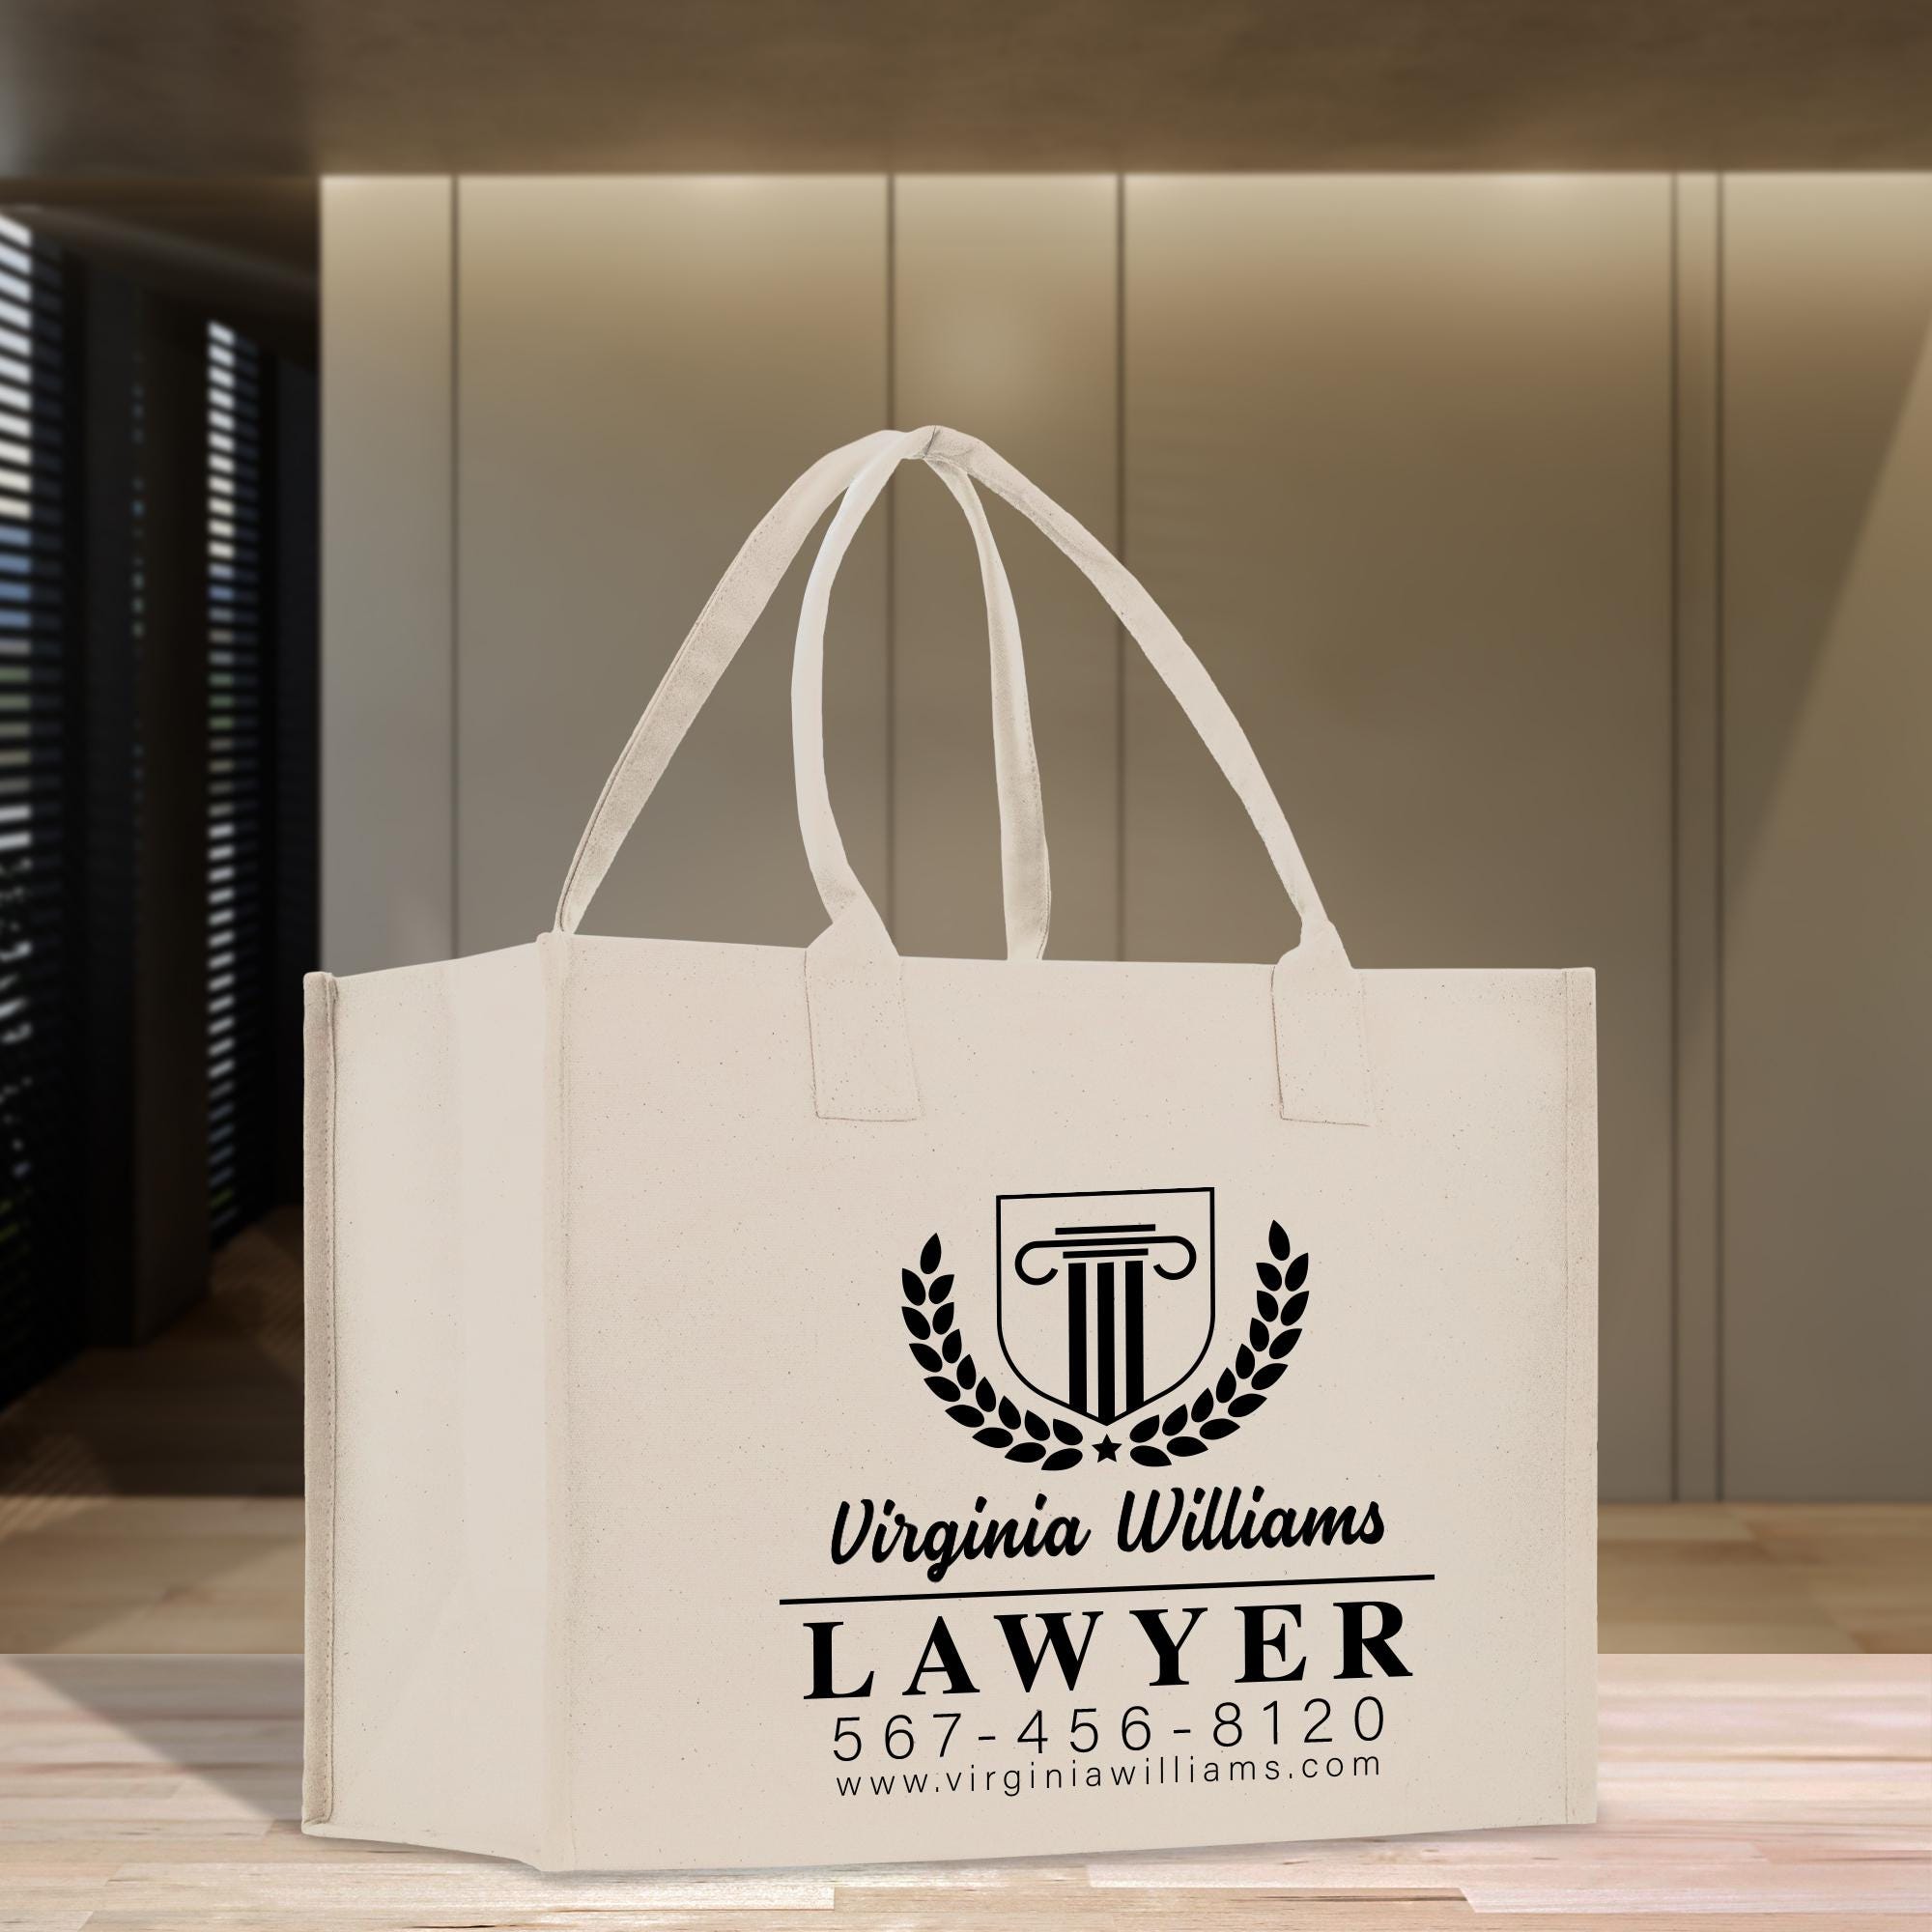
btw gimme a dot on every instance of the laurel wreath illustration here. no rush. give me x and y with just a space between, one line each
1024 1435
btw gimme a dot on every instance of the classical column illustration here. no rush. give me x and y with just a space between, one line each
1111 1379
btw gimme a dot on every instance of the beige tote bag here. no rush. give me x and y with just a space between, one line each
793 1408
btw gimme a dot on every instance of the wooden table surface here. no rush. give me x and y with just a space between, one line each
156 1794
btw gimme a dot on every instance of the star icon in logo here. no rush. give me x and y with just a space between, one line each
1106 1449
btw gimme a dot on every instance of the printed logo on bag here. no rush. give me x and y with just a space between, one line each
1113 1344
1105 1306
1106 1301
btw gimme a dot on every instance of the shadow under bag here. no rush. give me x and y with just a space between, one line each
779 1407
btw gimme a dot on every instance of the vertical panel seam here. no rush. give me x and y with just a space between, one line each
1119 550
455 566
892 557
1675 928
1695 726
1719 881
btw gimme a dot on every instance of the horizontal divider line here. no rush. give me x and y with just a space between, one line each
1111 1589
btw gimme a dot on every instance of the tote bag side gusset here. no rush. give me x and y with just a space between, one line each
319 1395
552 1820
1580 1414
427 1464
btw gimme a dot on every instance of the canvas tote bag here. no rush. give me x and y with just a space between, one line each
778 1406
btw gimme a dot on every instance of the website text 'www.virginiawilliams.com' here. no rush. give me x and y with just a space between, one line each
1152 1774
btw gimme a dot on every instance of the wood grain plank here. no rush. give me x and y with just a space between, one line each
153 1793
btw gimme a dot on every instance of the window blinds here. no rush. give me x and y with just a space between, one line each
41 1309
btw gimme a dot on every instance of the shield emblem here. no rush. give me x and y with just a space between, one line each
1106 1300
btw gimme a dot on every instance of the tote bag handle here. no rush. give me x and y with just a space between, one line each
861 1054
722 627
862 1057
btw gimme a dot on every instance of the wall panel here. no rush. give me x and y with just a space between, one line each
643 366
1698 736
1460 485
388 643
1398 463
1004 297
1826 836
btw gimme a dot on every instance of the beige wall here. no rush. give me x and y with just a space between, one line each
1826 836
1354 415
1553 537
614 445
389 850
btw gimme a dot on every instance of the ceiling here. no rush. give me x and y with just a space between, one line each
135 89
180 139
